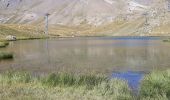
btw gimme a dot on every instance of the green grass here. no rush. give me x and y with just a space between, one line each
4 44
60 86
167 40
70 80
32 38
156 86
6 55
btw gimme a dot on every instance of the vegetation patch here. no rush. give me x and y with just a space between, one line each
90 81
21 85
4 44
6 55
166 40
156 86
32 37
62 86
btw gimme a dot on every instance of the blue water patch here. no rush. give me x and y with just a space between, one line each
133 38
133 78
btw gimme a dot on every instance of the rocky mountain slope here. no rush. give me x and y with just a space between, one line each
121 17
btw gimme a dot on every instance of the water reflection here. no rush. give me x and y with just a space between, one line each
133 78
81 55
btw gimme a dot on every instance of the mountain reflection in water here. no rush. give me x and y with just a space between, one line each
89 54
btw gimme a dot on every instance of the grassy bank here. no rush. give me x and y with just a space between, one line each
156 86
21 86
5 55
60 86
4 44
166 40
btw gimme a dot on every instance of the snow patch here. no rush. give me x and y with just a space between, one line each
109 1
136 6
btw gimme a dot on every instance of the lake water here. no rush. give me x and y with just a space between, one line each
89 55
133 79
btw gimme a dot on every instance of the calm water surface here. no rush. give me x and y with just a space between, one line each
91 54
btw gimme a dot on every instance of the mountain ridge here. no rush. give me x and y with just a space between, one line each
90 13
67 11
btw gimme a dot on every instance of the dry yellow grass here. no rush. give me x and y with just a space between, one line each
21 31
162 30
24 86
117 28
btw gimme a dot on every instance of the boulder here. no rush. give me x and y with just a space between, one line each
11 38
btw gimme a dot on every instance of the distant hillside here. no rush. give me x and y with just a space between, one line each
73 12
118 17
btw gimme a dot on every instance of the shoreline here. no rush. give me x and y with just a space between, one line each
82 85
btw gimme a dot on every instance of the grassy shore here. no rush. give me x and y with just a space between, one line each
6 55
156 86
166 40
23 86
61 86
3 44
